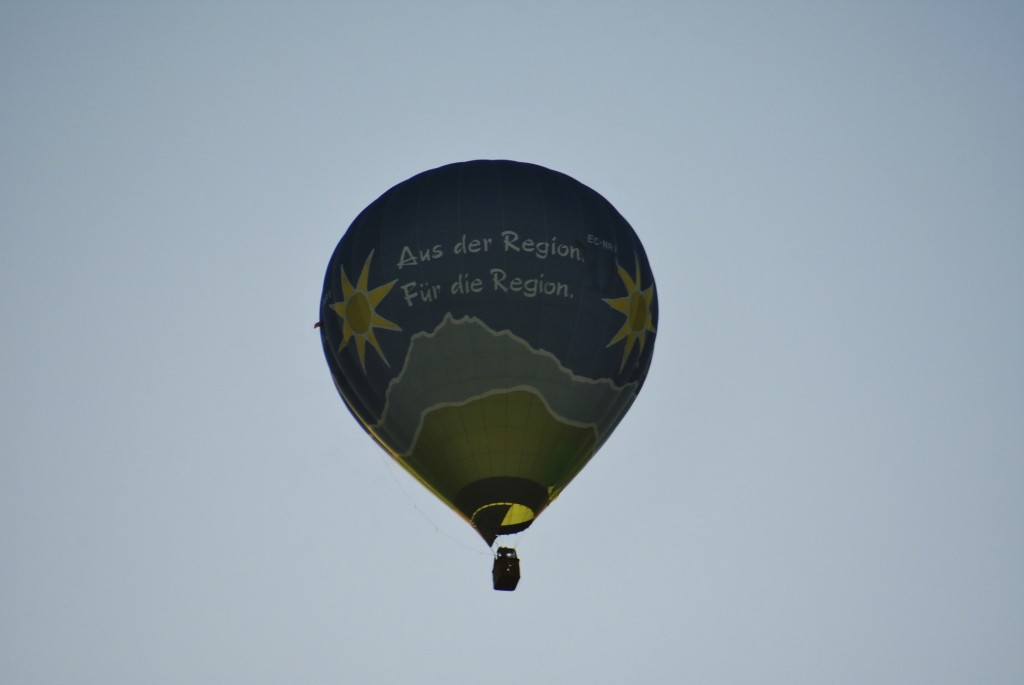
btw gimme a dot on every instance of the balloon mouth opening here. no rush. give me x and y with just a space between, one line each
502 518
501 505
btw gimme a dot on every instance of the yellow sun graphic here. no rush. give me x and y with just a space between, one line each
636 305
358 312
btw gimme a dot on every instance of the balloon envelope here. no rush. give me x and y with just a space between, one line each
489 323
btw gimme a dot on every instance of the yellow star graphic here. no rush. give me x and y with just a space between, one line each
636 305
358 312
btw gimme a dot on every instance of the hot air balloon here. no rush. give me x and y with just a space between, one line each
489 323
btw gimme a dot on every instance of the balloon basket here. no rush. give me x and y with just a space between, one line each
506 569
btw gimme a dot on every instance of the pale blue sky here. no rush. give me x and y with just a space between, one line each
821 481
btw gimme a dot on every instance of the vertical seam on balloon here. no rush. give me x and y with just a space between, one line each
502 226
458 185
582 286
